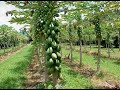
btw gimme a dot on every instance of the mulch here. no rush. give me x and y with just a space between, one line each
35 75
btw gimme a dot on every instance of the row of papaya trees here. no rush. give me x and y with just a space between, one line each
100 18
91 21
10 38
45 32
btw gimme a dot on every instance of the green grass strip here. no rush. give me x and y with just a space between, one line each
12 70
74 80
111 66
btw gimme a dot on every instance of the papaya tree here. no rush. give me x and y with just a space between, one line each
10 38
79 32
70 34
97 12
53 56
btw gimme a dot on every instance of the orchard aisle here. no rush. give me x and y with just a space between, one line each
12 70
35 74
109 76
9 54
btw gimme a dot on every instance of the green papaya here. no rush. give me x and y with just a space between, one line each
49 40
53 33
54 56
54 45
48 32
51 62
58 55
49 50
58 48
56 68
57 62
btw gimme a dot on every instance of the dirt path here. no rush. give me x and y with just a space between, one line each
111 83
108 82
35 74
8 55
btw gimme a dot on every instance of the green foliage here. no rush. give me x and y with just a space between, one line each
9 36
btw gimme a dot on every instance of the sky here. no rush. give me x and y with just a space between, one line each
4 19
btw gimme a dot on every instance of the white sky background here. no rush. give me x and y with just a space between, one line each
4 19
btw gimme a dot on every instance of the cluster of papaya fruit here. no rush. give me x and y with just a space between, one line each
52 41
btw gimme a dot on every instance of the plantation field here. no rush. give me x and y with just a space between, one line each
14 74
107 65
59 45
109 68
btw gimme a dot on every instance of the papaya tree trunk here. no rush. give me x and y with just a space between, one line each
71 52
4 47
80 53
79 32
96 43
38 50
119 39
12 47
99 47
42 55
61 46
108 41
106 46
84 43
45 63
7 46
55 78
90 41
108 50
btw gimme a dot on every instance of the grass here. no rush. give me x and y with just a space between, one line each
73 80
12 70
104 51
110 66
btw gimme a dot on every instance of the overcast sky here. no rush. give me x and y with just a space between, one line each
4 19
